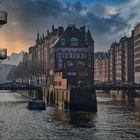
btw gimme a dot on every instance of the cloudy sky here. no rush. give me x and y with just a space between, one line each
108 20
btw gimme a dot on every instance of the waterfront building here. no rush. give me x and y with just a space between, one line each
69 51
121 60
101 67
137 52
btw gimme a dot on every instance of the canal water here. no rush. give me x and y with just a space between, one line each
117 119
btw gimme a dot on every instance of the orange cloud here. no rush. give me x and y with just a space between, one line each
14 45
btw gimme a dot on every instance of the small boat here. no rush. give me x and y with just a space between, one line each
36 104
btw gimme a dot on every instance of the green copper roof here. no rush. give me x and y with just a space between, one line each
88 37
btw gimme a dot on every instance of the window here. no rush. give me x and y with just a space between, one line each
74 41
81 63
59 65
89 55
59 83
69 63
71 55
71 73
74 74
55 83
78 55
83 55
63 42
75 55
67 54
59 60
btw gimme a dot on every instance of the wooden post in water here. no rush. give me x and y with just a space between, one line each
40 94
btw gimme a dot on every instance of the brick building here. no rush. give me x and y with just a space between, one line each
69 51
121 60
101 67
137 52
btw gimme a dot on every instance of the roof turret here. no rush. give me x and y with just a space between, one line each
88 37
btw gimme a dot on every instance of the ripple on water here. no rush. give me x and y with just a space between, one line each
115 120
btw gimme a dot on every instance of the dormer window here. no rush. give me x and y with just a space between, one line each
74 41
63 42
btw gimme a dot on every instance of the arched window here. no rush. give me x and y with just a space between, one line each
77 54
74 41
71 54
69 64
66 54
83 55
81 63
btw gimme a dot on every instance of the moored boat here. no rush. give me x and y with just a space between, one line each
36 104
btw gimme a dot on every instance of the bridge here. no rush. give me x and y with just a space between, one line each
100 86
107 86
18 86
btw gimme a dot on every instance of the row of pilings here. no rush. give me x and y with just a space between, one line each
74 99
59 98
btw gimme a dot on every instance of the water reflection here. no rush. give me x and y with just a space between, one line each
75 119
86 120
117 118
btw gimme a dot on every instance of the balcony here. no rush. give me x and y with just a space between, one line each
3 17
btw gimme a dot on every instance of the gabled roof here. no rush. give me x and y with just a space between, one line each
72 32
